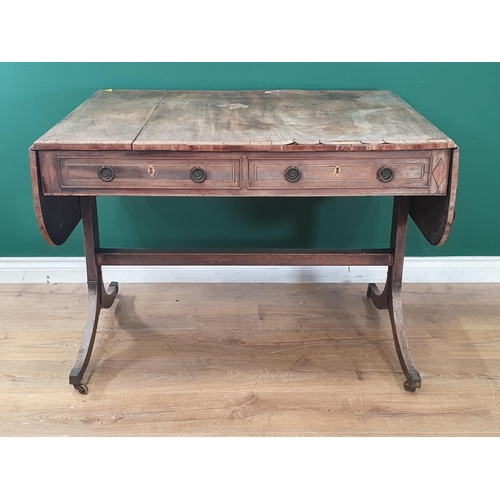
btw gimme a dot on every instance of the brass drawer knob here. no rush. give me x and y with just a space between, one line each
385 174
107 174
292 174
198 174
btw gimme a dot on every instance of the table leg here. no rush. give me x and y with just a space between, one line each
98 297
390 298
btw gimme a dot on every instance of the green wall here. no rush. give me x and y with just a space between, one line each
462 99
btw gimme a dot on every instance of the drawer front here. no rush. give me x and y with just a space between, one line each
128 173
370 173
391 173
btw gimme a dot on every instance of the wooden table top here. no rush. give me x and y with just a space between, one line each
290 120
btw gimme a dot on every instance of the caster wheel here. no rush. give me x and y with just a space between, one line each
409 388
413 381
81 388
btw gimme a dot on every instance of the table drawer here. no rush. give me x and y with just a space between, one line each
370 172
129 172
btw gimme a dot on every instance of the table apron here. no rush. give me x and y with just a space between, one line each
129 173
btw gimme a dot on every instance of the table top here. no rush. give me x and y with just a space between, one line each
284 120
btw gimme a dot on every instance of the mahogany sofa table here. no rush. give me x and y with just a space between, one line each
244 143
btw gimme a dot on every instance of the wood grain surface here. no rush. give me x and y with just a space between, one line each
244 120
107 120
250 360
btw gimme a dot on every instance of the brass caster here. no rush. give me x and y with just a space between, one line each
81 388
413 382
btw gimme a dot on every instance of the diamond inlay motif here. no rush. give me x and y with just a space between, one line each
49 174
439 172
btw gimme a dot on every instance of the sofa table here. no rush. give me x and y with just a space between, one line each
244 143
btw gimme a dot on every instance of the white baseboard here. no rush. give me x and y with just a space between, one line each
416 270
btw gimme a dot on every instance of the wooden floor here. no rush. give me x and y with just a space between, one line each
250 360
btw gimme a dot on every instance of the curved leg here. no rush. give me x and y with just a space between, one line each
108 297
83 358
413 380
390 298
96 300
379 299
98 296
